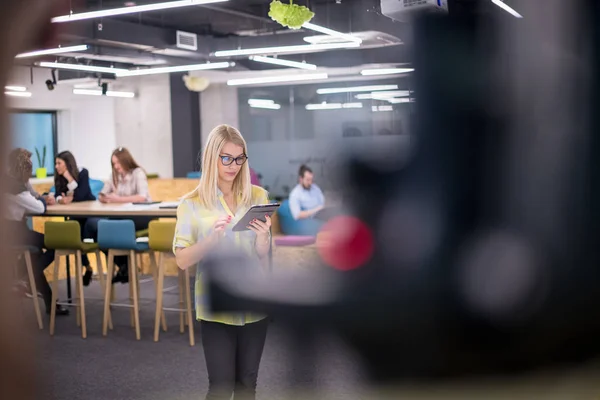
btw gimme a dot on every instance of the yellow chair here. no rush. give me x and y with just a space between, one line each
160 240
65 239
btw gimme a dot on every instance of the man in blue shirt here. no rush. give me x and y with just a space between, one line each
306 199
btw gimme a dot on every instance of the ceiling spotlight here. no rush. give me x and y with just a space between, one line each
104 88
51 83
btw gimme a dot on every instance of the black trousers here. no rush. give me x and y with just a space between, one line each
233 356
90 231
40 261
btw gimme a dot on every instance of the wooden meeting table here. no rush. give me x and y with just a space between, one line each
89 209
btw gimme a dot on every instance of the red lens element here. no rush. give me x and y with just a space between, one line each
345 243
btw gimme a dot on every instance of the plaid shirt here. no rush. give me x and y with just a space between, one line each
194 223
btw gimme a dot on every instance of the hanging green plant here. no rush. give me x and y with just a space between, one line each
291 15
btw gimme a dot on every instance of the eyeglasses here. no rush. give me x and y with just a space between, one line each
228 160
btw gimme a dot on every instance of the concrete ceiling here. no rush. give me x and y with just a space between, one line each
149 39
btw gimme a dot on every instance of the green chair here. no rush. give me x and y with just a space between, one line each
160 240
65 239
142 233
25 252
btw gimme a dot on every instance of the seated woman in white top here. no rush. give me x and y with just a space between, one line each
22 201
128 184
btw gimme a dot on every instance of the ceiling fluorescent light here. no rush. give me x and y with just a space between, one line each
302 48
285 63
260 101
277 79
81 67
356 89
386 71
178 68
266 106
383 95
507 8
331 32
332 106
109 93
400 100
131 10
324 106
18 94
15 88
382 108
57 50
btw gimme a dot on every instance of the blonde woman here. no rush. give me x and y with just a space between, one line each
233 343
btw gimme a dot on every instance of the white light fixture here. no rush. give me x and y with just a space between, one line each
383 95
266 106
263 103
332 106
285 63
352 105
260 101
277 79
178 68
400 100
109 93
356 89
324 106
386 71
57 50
331 32
80 67
302 48
15 88
130 10
507 8
18 94
382 108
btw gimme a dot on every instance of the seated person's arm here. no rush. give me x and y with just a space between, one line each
31 204
106 191
81 188
297 211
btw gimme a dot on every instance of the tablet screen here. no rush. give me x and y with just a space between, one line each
258 212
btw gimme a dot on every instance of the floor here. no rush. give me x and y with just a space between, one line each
119 367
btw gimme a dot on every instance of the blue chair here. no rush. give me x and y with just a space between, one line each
194 175
291 226
96 187
118 237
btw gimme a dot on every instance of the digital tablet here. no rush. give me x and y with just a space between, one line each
258 212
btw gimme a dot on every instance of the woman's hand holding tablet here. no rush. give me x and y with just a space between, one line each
258 212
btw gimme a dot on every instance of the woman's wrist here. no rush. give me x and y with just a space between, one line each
263 239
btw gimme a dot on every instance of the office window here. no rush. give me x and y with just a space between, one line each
315 124
35 130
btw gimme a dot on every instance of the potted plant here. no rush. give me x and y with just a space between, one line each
41 172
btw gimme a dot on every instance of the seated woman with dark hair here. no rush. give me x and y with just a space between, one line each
72 185
20 201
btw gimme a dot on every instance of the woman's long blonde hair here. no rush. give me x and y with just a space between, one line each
208 187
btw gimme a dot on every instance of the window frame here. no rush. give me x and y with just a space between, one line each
54 115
